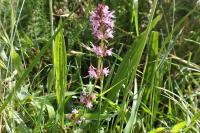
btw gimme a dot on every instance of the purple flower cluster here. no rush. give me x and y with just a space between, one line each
97 73
87 99
102 22
75 117
102 52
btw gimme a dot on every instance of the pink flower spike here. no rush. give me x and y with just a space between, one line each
102 22
106 71
92 72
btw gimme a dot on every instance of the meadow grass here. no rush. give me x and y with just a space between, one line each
153 85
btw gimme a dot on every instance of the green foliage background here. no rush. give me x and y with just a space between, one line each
154 83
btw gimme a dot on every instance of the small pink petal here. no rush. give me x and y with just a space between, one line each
92 72
89 104
109 52
82 99
78 121
106 71
93 96
97 50
75 111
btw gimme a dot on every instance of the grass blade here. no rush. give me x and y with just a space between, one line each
135 15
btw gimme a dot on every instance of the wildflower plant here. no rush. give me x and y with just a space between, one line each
102 22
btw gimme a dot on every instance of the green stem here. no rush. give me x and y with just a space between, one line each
51 16
100 67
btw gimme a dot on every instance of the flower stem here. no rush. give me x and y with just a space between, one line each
100 67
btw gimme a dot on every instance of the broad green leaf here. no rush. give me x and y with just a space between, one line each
157 130
127 66
178 127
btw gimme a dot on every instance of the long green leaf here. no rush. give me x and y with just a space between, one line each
60 67
157 130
